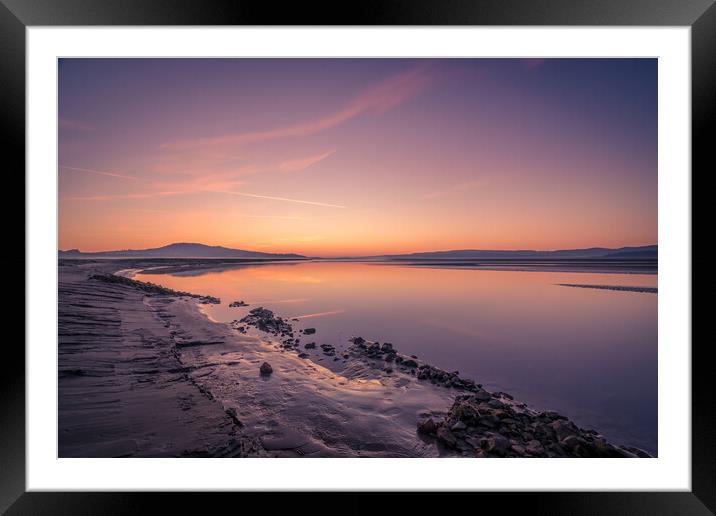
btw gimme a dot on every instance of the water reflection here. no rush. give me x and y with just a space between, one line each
588 353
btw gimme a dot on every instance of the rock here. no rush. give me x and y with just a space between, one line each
638 452
482 395
427 426
387 347
357 340
264 320
489 420
497 444
562 429
446 436
410 363
518 449
303 355
237 304
266 368
503 395
572 442
309 331
534 447
458 426
476 442
465 411
310 345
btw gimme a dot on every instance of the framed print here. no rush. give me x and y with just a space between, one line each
423 248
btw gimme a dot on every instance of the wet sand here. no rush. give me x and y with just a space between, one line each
128 386
144 372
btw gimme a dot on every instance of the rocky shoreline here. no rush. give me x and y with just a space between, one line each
493 425
479 423
152 288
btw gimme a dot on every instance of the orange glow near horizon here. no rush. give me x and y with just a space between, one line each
357 157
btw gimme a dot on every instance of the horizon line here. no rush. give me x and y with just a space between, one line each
353 255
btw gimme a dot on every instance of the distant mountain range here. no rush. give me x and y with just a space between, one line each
643 252
190 250
181 250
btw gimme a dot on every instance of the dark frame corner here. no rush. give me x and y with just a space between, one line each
16 15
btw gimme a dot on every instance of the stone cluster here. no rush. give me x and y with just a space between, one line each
492 425
410 365
265 320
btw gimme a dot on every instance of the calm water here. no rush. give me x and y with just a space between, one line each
589 354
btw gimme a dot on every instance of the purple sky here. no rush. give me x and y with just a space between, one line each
358 156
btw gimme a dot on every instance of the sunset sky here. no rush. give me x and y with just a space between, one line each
357 156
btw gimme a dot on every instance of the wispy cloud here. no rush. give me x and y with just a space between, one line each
112 197
99 172
295 165
384 96
198 187
201 183
470 185
274 198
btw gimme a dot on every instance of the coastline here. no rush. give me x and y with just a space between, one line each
377 406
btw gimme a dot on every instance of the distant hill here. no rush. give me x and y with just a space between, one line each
180 250
650 251
644 252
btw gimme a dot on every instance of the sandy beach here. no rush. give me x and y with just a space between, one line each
144 372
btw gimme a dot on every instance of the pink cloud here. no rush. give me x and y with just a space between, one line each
383 97
99 172
295 165
282 199
111 197
204 183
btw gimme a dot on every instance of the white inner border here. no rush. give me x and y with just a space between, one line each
670 471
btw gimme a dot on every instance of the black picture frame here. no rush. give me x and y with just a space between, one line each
16 15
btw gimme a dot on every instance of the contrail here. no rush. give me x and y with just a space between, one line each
99 172
285 199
